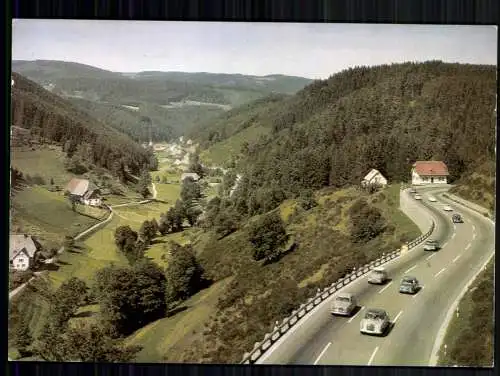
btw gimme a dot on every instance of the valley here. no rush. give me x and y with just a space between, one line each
212 233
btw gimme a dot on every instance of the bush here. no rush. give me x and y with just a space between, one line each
367 222
266 235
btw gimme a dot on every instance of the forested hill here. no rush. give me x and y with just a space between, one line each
334 131
50 117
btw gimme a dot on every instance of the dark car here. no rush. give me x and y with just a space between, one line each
409 285
456 218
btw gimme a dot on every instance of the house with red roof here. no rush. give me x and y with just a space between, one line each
429 172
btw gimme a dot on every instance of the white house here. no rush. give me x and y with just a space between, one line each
429 172
84 191
192 175
374 177
22 250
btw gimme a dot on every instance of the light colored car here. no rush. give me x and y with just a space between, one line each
431 245
375 322
344 304
447 208
378 276
432 199
418 197
409 285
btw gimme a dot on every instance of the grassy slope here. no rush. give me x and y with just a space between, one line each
478 186
475 321
47 163
167 338
217 153
48 215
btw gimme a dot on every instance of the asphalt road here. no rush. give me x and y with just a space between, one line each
322 339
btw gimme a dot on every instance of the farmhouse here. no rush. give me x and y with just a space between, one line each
374 177
192 175
22 250
85 192
429 172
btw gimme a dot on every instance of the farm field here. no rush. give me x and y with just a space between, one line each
48 215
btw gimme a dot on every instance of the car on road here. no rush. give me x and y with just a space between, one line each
376 322
432 199
378 276
409 285
456 218
344 304
431 245
447 208
418 197
413 190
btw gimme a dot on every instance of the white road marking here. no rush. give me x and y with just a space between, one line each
474 236
453 235
473 228
373 356
380 292
409 270
468 246
397 317
431 256
352 318
444 245
322 353
438 273
456 258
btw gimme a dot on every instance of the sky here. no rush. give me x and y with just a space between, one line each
309 50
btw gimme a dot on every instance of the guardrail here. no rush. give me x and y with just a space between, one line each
279 330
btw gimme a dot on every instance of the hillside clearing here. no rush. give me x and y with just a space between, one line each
48 215
169 337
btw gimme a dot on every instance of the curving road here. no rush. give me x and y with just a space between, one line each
418 320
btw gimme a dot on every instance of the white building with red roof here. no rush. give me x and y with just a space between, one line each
429 172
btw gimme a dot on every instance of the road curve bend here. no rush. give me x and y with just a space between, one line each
418 320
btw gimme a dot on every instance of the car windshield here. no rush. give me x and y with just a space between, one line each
377 272
406 283
372 315
343 299
430 242
408 280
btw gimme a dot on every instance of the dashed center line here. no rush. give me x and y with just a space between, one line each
322 353
468 246
473 228
353 317
431 256
444 245
474 236
409 270
456 258
373 356
380 292
397 317
438 273
453 235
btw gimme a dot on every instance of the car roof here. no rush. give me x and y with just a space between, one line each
377 311
345 295
408 278
378 269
